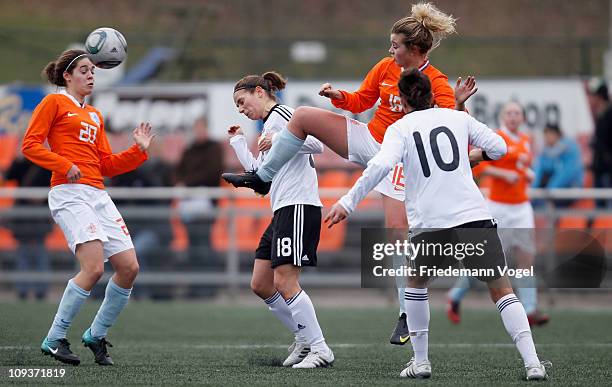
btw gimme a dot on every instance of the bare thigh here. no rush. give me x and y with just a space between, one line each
328 127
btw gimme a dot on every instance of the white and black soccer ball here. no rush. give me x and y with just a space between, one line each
106 47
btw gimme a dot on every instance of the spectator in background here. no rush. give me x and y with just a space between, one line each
560 163
601 142
30 232
200 166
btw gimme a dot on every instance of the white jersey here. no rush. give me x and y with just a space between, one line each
433 145
296 182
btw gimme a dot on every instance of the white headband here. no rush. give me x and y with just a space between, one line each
72 61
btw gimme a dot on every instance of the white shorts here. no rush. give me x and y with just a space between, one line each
515 224
85 213
362 147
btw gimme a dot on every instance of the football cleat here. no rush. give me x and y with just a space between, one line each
59 350
413 370
297 353
452 312
537 318
317 359
248 179
98 347
401 334
537 371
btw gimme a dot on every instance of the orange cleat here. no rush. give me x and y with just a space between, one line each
452 312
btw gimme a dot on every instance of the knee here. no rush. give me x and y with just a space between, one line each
261 289
497 293
285 286
130 270
94 273
300 115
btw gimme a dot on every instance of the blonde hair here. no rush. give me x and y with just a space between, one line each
425 27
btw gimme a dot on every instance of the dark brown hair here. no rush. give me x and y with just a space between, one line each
54 70
425 27
270 81
415 87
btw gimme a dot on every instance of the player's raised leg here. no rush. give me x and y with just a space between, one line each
328 127
91 260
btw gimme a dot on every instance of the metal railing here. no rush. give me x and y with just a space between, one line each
231 277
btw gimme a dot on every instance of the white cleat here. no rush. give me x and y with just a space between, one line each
413 370
317 359
297 353
537 371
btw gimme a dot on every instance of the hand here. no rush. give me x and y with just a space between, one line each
328 91
529 175
475 157
234 130
73 175
335 215
464 90
142 136
265 142
511 176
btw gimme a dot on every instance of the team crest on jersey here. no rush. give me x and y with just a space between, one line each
95 118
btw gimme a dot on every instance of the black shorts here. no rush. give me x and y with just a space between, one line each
292 236
487 252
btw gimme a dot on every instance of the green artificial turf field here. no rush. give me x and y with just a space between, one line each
197 343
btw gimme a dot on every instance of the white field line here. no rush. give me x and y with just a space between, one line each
347 345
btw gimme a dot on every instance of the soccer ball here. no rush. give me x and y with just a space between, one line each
106 47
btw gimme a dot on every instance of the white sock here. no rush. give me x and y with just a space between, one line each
401 294
279 308
400 282
417 310
515 320
304 315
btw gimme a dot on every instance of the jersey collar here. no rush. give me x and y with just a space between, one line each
270 112
424 65
76 101
421 68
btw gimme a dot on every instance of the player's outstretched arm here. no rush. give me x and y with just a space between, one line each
113 164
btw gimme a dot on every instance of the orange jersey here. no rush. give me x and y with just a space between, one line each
75 134
517 159
381 83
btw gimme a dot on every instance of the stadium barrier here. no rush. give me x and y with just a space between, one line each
238 221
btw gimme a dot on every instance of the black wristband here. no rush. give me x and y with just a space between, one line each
486 157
